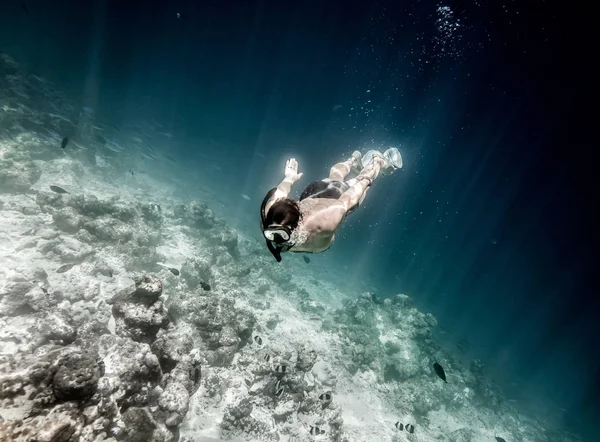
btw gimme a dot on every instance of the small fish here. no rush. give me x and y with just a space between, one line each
174 271
337 107
178 15
267 358
325 397
64 143
246 197
280 369
279 392
316 430
499 439
131 172
65 268
278 385
306 259
493 240
439 370
399 426
258 340
410 428
247 382
58 189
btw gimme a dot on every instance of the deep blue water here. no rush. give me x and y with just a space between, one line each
489 225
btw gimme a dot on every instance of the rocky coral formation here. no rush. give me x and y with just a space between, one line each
138 312
386 336
17 171
103 223
70 386
222 325
24 293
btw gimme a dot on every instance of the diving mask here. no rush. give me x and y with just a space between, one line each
277 233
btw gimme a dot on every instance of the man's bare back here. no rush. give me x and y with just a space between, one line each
310 224
319 222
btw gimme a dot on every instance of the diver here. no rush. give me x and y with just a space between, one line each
309 224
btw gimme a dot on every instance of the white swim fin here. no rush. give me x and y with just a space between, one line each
392 158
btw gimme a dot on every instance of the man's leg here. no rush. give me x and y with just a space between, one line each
340 171
355 195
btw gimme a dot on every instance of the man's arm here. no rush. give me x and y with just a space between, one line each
291 175
283 189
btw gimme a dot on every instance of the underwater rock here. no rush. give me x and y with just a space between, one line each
114 208
197 271
152 214
235 413
223 326
476 367
187 372
174 400
62 424
129 360
57 326
109 229
463 435
23 294
195 214
147 290
306 358
138 321
229 239
72 250
171 348
105 220
77 376
140 426
17 172
67 220
138 312
228 337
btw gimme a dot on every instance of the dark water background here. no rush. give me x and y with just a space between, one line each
490 225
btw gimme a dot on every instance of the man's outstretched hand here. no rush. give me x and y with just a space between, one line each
291 170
